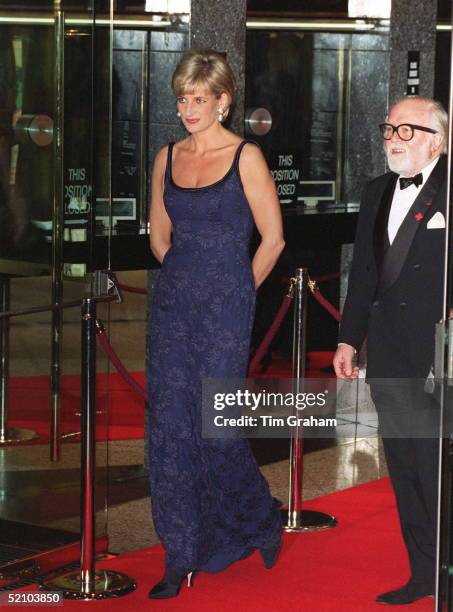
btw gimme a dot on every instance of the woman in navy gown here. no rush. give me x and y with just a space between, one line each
211 505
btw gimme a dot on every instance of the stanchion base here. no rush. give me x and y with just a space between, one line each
16 436
306 520
106 584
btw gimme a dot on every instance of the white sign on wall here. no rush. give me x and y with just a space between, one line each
374 9
167 6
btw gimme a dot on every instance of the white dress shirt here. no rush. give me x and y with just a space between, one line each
403 200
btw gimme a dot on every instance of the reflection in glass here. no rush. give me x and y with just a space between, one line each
311 84
36 126
26 135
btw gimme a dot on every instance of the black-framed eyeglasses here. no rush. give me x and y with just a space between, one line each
404 130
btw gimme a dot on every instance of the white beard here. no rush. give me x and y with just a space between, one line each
409 161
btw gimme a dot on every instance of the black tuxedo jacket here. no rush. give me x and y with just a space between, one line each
395 292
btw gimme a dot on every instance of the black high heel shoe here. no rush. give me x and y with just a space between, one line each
171 583
270 551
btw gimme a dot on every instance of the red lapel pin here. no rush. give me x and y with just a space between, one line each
419 216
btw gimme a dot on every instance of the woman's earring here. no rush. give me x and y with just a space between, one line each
220 117
178 114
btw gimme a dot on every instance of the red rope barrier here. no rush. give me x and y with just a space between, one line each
131 289
259 353
116 361
270 334
326 304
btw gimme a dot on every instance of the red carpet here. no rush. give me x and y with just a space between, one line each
29 401
318 365
29 406
338 570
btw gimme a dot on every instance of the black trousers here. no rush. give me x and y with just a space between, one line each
409 426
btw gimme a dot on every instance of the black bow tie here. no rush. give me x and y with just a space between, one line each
411 180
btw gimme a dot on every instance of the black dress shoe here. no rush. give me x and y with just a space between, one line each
170 585
407 594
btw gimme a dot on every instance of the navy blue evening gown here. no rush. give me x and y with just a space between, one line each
211 505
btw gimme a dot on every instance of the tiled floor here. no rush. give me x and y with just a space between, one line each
30 336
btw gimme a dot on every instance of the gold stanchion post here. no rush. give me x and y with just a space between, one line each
87 582
296 519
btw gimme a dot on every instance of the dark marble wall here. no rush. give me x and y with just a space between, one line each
382 57
166 49
413 28
220 25
369 82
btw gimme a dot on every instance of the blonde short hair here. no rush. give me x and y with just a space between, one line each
205 68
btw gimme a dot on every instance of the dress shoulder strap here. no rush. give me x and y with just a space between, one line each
168 173
239 151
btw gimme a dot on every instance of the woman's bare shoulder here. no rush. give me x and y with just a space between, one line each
161 156
160 162
251 155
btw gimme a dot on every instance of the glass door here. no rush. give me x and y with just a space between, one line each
444 372
55 126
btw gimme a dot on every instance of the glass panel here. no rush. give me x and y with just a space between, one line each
129 130
26 143
442 72
304 106
444 348
50 134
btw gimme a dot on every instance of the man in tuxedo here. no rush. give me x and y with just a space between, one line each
395 299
